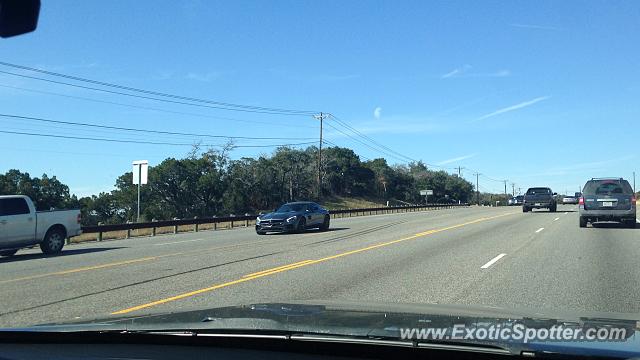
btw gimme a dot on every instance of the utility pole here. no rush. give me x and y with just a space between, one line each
460 171
477 190
513 189
505 192
320 117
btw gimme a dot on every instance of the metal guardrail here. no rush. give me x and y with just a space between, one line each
100 229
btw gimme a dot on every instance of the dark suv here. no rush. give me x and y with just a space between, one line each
607 200
539 198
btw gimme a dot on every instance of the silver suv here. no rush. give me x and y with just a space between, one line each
607 200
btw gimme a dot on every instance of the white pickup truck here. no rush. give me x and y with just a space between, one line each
21 226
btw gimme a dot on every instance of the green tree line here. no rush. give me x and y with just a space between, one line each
208 183
45 192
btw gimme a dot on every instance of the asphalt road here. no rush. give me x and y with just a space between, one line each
482 256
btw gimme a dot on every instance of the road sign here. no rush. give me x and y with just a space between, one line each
140 175
140 172
429 192
423 192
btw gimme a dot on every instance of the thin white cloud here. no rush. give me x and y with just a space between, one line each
499 73
377 113
456 159
536 27
463 72
507 109
204 77
451 73
456 72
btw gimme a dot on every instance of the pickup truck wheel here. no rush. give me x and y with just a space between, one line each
261 232
583 222
53 241
525 209
553 208
8 253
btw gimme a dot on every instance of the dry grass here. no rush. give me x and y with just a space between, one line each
339 203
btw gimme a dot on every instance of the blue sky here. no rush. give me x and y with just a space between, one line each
539 93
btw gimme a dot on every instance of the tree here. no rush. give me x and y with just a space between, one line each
45 192
384 177
344 173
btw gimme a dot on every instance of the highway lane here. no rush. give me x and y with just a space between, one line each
488 256
149 265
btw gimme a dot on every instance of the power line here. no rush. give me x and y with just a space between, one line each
492 179
365 144
157 93
151 98
336 145
357 132
382 146
379 150
151 108
149 131
485 176
145 142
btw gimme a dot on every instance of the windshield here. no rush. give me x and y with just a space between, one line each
607 187
292 208
538 191
159 150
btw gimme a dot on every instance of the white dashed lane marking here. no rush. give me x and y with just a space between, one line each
492 261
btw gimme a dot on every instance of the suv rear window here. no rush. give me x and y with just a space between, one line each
13 206
607 187
538 191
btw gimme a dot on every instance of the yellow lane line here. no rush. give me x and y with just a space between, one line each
297 265
276 268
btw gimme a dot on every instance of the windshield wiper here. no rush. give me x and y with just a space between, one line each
328 338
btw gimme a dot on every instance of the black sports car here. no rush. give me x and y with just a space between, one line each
293 217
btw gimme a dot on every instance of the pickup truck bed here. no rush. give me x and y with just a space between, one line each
539 198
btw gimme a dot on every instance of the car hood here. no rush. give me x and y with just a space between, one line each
279 215
371 320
